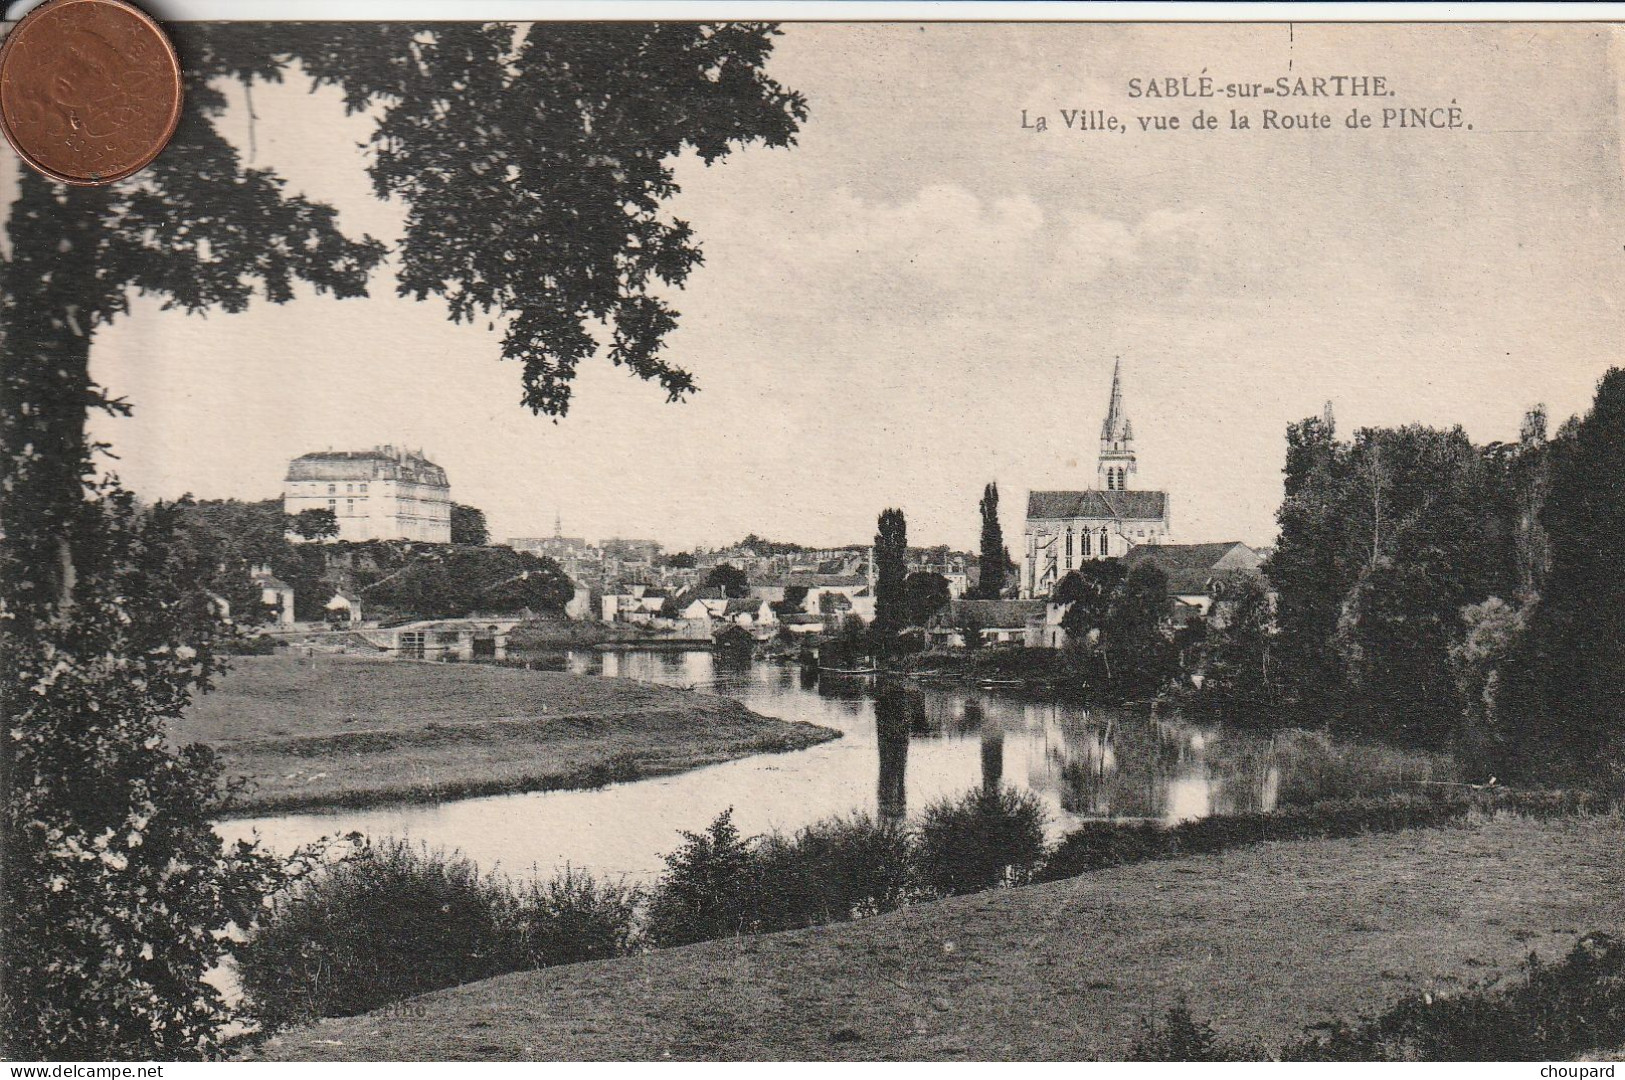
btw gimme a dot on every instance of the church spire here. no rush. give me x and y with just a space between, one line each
1116 428
1117 464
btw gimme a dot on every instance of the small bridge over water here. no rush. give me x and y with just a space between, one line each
443 639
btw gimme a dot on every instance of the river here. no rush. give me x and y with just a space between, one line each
902 746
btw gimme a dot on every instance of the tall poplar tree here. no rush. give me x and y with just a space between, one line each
891 571
994 555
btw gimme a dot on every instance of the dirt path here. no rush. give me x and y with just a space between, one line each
1261 943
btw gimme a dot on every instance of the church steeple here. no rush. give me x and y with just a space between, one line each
1117 465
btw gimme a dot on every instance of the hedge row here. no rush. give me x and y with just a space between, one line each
1100 844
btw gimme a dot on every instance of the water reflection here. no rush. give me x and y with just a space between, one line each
891 739
904 745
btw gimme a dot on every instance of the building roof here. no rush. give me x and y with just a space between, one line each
1123 505
990 614
1191 566
1189 556
827 581
687 596
743 605
379 463
266 581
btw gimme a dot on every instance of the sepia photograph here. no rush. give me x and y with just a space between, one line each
643 538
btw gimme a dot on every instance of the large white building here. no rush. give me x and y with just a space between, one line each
386 493
1066 528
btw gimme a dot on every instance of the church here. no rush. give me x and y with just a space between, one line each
1065 528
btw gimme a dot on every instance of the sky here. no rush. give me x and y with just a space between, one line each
922 295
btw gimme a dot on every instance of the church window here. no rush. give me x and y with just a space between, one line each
1086 543
1105 547
1069 549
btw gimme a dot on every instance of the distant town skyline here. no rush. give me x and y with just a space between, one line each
922 297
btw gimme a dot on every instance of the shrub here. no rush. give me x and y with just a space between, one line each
980 840
574 918
390 921
1314 767
832 871
1180 1037
258 645
1556 1013
708 890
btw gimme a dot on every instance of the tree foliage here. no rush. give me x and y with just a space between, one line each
891 569
730 579
468 526
117 886
994 557
1139 657
1088 592
535 166
316 523
1568 670
439 583
924 594
1238 684
1384 540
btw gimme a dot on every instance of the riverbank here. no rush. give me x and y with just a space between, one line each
555 634
337 731
1260 943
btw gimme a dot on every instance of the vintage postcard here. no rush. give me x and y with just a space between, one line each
815 540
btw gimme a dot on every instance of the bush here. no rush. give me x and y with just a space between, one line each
708 890
258 645
1099 844
574 918
1180 1037
1556 1013
390 921
835 870
980 840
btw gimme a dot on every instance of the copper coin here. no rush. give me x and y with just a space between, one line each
90 90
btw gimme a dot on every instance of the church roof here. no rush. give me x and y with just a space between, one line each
1126 505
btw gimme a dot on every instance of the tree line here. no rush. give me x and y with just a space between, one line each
1438 592
233 539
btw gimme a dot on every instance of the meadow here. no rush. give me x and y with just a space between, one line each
309 732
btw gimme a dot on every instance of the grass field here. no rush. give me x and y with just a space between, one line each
1260 943
344 731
